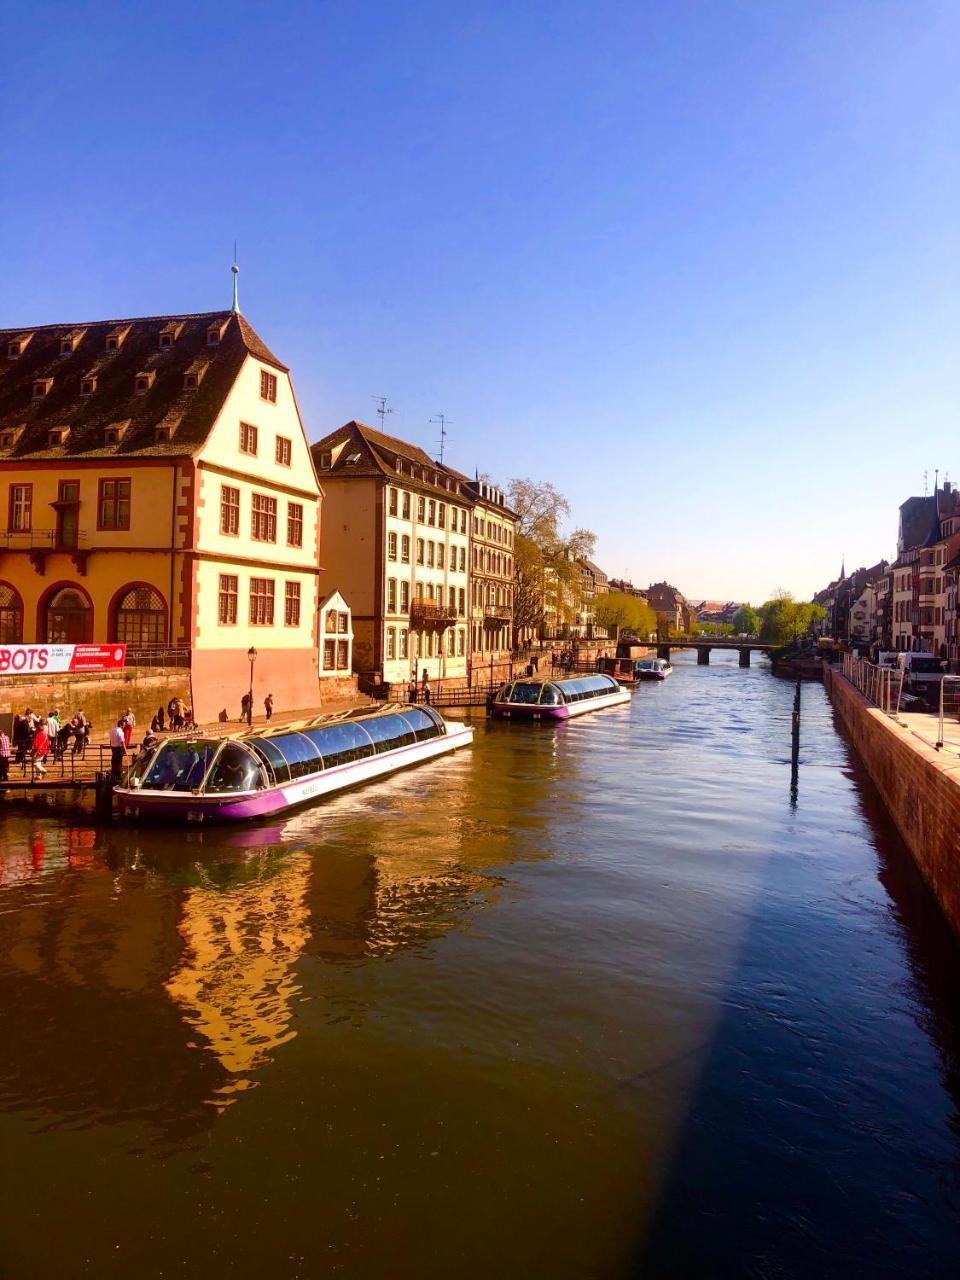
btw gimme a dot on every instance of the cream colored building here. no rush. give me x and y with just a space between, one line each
158 490
493 528
397 543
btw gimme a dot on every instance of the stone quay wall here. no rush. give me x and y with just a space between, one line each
920 787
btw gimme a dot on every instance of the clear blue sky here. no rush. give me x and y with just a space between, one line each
697 263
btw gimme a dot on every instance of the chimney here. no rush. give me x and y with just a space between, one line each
947 487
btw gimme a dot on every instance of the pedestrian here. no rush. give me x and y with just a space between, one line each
22 737
528 671
129 722
63 738
268 705
52 725
157 723
535 662
246 708
412 689
41 745
426 688
4 756
118 749
176 715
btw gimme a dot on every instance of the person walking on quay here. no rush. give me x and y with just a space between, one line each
412 690
426 688
52 725
268 706
172 712
157 723
82 733
4 756
129 721
22 737
246 709
176 714
41 745
118 749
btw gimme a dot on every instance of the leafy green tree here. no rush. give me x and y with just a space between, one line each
545 554
717 629
783 619
619 612
746 621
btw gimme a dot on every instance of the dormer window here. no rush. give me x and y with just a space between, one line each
88 386
214 334
41 387
113 343
190 382
115 433
326 460
66 346
169 334
162 435
143 383
13 350
58 435
9 438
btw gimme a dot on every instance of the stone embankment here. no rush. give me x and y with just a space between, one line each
919 785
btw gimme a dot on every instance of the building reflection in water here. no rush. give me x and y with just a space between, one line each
207 929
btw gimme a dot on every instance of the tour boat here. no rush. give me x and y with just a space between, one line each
560 699
653 669
196 778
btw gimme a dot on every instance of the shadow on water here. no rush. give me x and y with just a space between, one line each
810 1148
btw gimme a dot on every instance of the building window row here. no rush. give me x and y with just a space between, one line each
263 517
250 444
491 531
261 604
486 561
429 510
113 505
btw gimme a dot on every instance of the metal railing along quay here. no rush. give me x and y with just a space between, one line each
880 685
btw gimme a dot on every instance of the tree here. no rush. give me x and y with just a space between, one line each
620 612
783 619
746 621
545 556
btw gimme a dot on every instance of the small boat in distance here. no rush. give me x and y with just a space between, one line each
197 778
623 670
653 669
556 699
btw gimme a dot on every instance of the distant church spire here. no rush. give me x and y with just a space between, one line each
236 272
843 567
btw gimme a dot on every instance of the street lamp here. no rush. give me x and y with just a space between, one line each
252 655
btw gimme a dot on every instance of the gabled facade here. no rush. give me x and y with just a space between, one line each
156 488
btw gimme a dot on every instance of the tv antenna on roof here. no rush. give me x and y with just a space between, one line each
443 420
382 409
236 272
926 486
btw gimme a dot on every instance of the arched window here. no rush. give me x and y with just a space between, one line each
141 617
68 617
11 615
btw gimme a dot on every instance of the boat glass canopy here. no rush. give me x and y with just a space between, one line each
257 761
554 692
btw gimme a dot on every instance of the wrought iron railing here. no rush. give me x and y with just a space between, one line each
41 540
157 655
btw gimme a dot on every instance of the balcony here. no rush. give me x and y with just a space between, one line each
498 614
41 539
431 613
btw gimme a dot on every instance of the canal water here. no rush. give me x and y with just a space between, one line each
626 997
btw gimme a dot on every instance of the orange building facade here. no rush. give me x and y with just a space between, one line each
156 488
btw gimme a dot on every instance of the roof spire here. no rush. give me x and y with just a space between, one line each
236 272
843 566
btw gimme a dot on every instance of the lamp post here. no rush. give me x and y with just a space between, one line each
252 655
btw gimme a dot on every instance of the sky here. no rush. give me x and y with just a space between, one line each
695 263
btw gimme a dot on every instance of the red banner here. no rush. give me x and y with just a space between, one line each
31 659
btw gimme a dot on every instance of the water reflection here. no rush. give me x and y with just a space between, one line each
211 926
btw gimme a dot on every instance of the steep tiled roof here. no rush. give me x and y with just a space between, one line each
917 515
188 414
377 457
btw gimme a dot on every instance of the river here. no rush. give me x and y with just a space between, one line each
625 997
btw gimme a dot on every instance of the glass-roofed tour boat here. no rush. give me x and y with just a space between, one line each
197 778
556 699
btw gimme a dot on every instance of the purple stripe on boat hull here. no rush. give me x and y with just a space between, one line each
528 711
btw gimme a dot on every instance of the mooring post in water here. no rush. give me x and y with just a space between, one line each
104 795
795 747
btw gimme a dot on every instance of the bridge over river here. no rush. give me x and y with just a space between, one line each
704 647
